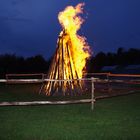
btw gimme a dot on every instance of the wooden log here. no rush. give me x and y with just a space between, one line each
44 102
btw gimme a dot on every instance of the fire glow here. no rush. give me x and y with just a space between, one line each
72 51
71 22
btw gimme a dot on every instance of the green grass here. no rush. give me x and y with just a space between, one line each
20 92
112 119
30 92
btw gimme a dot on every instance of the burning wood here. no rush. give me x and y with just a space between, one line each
71 53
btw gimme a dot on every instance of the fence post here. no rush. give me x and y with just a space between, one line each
109 86
92 93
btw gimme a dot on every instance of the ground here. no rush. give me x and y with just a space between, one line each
116 118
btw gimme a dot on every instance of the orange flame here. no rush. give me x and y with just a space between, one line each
71 22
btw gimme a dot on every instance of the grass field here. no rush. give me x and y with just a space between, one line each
30 92
115 118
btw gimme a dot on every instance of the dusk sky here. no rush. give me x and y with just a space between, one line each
31 27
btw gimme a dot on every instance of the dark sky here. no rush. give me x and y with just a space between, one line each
31 27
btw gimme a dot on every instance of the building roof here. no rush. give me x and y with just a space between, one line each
109 68
132 67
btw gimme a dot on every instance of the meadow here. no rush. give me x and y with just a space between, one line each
116 118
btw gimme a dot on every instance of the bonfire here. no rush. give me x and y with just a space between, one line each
70 57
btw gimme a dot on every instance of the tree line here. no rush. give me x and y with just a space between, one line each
122 58
15 64
10 63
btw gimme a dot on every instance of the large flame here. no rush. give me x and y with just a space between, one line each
71 22
71 54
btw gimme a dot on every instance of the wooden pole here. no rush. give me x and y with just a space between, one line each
92 93
63 69
43 102
108 79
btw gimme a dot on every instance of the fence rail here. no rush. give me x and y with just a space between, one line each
46 102
112 74
92 98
